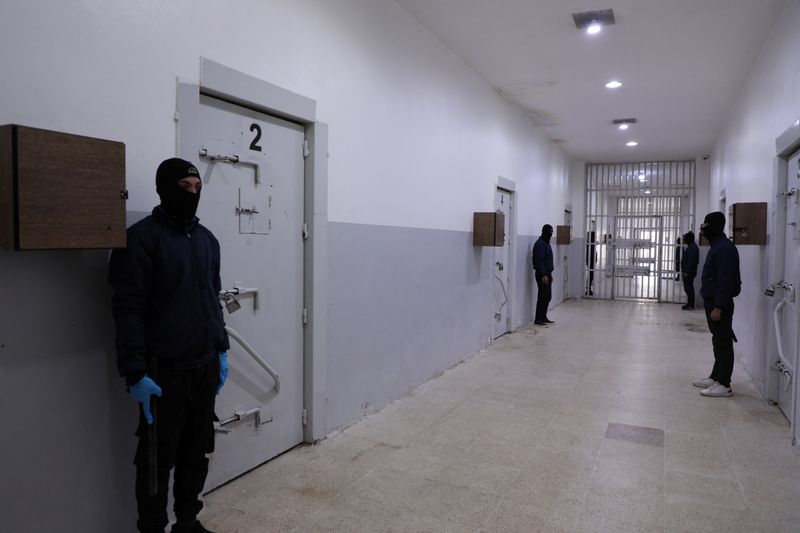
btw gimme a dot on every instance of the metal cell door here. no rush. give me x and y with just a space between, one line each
635 265
252 200
501 279
787 308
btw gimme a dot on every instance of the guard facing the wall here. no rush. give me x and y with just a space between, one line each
721 282
543 268
171 346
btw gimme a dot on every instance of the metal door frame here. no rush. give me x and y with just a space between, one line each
786 145
230 85
510 187
656 244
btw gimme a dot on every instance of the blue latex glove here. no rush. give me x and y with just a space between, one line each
142 391
223 370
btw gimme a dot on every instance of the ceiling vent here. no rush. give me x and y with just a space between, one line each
604 17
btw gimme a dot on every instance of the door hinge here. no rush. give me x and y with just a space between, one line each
305 230
305 316
306 149
304 417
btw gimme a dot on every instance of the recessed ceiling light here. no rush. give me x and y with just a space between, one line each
631 143
624 126
593 28
614 84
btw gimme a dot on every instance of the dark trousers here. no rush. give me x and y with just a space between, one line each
688 287
543 298
722 338
185 435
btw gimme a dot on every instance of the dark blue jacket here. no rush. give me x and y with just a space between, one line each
542 257
721 278
690 259
165 295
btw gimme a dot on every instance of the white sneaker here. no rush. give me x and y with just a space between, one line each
717 390
704 383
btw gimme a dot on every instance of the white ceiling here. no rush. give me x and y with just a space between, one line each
682 64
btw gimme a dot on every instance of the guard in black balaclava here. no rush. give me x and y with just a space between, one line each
547 232
688 237
175 200
713 226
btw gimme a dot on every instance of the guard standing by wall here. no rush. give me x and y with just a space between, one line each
721 282
689 262
171 344
543 268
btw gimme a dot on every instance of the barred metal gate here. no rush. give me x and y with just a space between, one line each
636 214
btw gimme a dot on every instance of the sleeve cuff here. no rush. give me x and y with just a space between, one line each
134 377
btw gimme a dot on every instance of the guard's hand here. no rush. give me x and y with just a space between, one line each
716 314
142 391
223 370
545 280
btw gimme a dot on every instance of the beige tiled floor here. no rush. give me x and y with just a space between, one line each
514 440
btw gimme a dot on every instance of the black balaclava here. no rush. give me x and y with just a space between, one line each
175 200
688 238
547 232
713 226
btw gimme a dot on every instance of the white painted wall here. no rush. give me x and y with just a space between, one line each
742 165
417 139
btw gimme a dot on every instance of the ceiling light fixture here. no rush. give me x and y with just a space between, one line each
593 21
642 177
614 84
594 28
631 143
623 123
647 192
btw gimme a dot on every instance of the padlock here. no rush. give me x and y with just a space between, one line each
232 304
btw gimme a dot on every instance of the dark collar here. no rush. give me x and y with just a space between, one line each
161 216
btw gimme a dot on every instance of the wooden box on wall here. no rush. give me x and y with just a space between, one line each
60 191
488 229
563 234
749 223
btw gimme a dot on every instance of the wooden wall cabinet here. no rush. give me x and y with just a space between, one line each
488 229
60 191
749 223
563 234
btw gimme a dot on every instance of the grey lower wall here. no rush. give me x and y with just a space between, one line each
66 443
523 282
406 303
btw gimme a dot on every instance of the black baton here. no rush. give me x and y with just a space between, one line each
152 437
